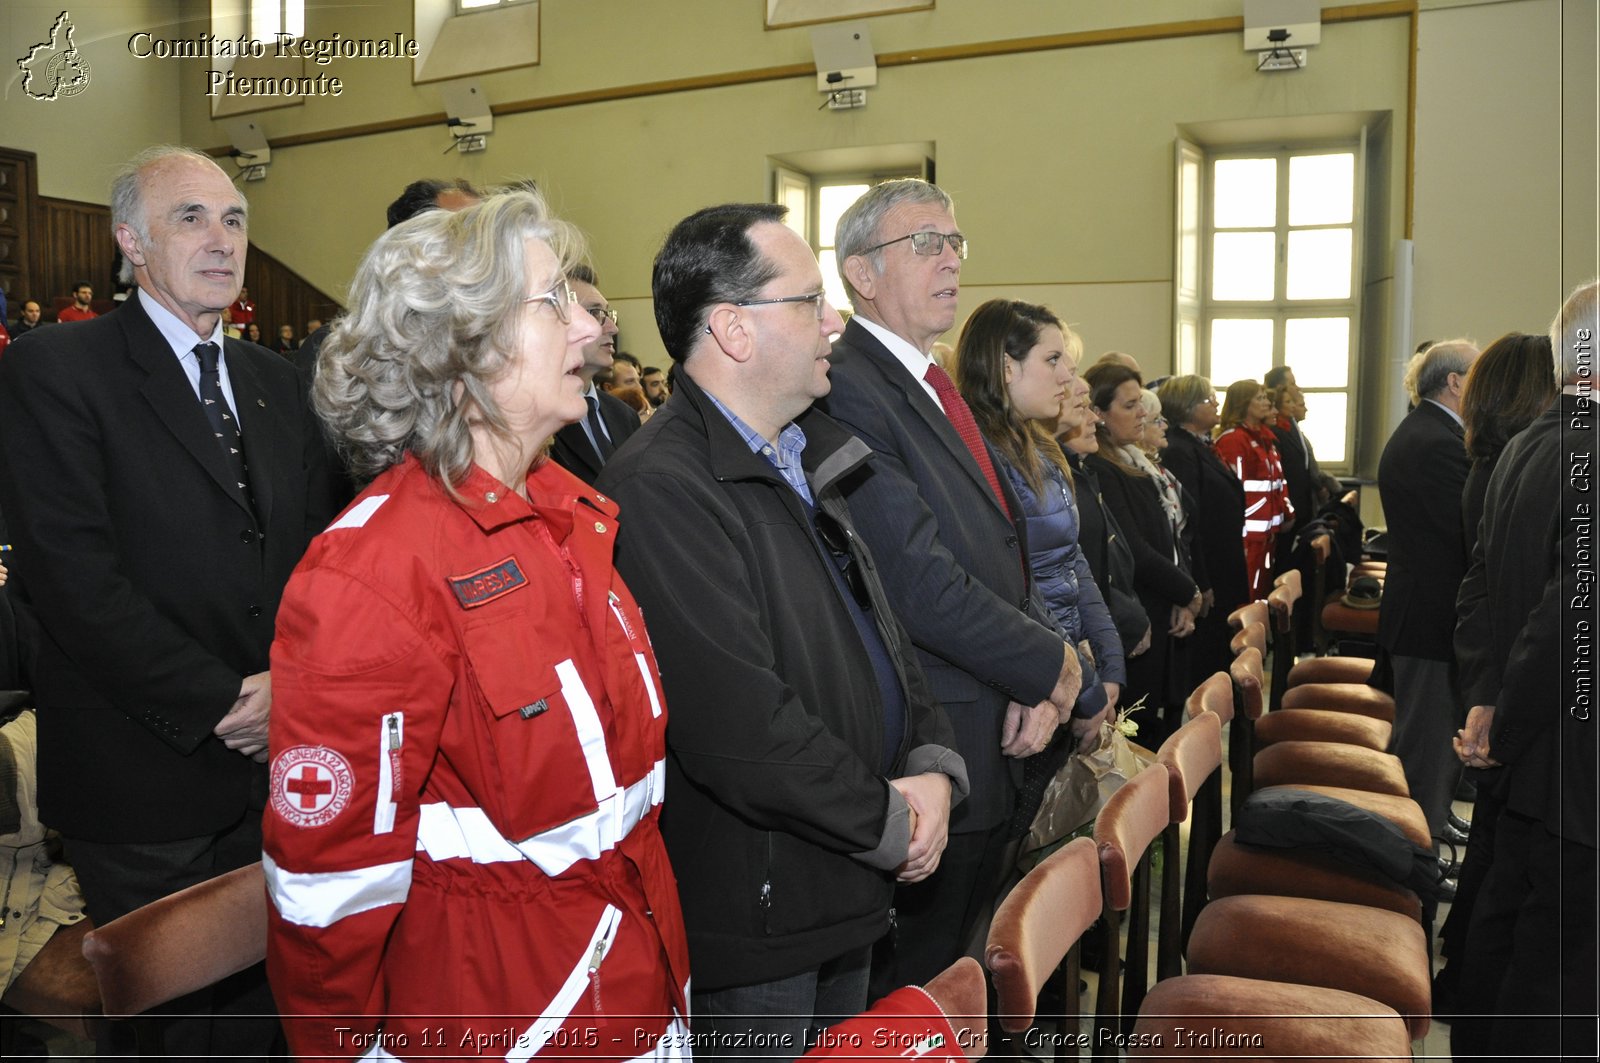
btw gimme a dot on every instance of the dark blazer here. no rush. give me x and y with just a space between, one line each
1520 606
1110 556
154 582
951 562
1217 516
572 450
1420 479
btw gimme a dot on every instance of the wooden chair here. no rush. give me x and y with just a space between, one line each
1131 819
1292 1022
177 945
1256 612
1331 670
1036 928
1193 756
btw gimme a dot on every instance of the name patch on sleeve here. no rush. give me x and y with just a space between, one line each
485 585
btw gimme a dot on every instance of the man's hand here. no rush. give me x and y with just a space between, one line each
1113 692
1087 730
1182 622
1472 741
1068 683
928 795
244 728
1028 730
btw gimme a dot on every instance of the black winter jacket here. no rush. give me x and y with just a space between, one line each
776 811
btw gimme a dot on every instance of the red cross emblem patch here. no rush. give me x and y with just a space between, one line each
310 785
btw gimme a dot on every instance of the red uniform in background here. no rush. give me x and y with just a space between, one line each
462 842
1252 454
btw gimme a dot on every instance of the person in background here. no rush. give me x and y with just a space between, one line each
1507 388
1101 540
468 742
1531 951
584 448
252 332
1190 406
1421 477
1016 364
624 372
82 296
1168 591
287 344
655 385
28 321
1249 449
242 311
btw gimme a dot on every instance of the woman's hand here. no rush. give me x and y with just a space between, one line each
1143 643
1182 622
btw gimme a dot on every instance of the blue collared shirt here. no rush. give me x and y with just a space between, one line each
785 456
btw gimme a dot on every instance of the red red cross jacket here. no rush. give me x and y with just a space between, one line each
1252 454
462 849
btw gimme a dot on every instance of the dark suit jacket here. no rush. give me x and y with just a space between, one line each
572 450
1217 517
1420 479
951 562
1520 606
154 583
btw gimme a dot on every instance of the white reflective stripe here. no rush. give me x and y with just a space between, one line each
535 1037
649 684
323 898
1260 485
360 513
375 1052
1257 525
1257 505
446 833
591 735
389 747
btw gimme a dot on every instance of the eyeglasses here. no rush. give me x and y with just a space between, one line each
603 314
928 243
561 299
816 299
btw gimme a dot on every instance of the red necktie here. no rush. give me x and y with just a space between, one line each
960 414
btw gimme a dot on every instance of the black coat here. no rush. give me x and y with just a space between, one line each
1518 641
154 582
776 722
1110 556
572 450
1217 516
1420 478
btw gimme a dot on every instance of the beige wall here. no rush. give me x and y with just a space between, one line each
1060 161
128 105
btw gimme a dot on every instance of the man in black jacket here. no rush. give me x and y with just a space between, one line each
1420 477
809 766
1526 643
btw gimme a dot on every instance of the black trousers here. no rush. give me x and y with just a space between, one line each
935 918
1531 950
234 1019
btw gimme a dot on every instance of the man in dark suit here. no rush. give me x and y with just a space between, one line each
584 448
156 477
1420 477
943 528
1526 644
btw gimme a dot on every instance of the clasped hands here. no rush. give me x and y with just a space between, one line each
1028 729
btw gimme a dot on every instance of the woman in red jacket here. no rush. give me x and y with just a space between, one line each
1247 447
463 850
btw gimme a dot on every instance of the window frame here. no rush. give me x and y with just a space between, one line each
1198 307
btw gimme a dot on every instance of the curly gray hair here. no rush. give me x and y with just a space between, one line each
434 311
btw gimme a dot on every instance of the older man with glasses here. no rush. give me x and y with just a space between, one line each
944 528
584 448
809 767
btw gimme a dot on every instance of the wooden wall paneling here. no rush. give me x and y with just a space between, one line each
75 244
18 190
283 297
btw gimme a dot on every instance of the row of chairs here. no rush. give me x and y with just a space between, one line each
1285 953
